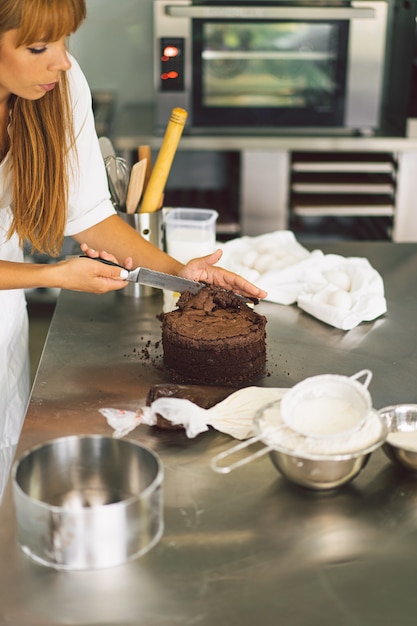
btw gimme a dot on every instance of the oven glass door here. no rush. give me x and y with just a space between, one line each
269 73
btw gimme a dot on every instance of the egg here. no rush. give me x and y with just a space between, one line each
249 258
266 246
277 265
264 262
339 278
279 253
340 299
290 259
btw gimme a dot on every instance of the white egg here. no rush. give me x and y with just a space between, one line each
279 252
339 279
277 265
340 299
264 262
266 245
249 258
290 259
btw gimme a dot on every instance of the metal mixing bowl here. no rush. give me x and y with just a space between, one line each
314 471
86 502
401 418
319 474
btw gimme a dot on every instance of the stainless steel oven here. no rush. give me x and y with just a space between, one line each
271 65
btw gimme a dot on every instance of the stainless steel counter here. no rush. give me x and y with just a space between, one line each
248 547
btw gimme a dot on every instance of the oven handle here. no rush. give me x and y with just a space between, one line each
284 13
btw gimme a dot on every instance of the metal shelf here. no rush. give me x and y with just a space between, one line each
343 184
347 210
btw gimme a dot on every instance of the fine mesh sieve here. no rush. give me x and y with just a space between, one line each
327 394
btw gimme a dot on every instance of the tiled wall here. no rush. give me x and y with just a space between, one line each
114 48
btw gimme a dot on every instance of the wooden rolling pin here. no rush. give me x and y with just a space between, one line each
160 172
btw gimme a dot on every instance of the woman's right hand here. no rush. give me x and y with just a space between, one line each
87 274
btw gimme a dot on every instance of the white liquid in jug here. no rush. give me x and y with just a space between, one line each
185 244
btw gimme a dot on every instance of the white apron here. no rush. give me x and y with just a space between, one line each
14 335
14 365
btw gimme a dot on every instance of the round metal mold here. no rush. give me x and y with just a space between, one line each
88 502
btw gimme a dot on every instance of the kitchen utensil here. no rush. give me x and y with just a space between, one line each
328 406
159 280
325 464
110 165
87 502
136 182
309 463
342 409
401 443
322 432
145 152
106 148
155 188
118 176
109 157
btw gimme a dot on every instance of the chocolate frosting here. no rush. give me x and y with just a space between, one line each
213 313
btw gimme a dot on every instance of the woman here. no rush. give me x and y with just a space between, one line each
52 184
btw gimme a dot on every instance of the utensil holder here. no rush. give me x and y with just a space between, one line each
150 226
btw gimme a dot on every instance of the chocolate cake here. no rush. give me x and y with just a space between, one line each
213 338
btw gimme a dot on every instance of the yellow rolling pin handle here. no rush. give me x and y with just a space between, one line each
160 172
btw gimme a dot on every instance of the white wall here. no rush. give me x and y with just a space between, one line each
114 48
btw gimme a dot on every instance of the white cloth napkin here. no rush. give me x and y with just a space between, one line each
340 291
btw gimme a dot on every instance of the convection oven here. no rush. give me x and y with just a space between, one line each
245 66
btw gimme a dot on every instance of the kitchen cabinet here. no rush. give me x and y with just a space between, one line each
285 177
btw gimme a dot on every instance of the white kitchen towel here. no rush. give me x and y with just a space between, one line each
340 291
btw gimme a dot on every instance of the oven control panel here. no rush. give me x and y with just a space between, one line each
172 63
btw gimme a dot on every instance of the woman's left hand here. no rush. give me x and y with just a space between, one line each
204 270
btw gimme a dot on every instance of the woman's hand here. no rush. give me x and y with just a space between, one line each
86 274
203 270
93 254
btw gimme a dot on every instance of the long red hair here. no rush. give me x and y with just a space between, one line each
41 130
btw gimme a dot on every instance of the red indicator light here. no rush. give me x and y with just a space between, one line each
164 58
171 51
168 75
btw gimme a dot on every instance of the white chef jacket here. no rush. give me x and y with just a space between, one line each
88 204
